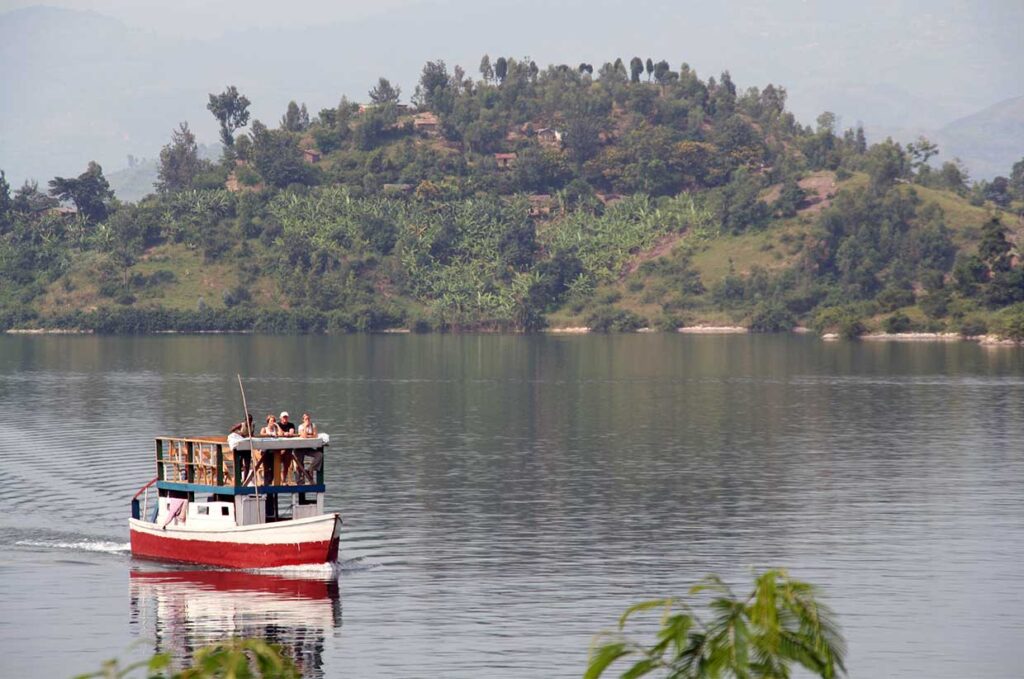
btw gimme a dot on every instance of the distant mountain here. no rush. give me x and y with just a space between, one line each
990 141
136 181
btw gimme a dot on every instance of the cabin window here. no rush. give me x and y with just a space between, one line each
224 511
203 510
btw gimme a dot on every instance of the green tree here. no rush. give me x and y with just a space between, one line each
277 157
122 237
90 192
231 110
885 164
30 200
6 204
781 623
435 87
790 197
179 161
385 93
649 68
501 69
486 70
998 191
920 152
1017 179
295 118
636 67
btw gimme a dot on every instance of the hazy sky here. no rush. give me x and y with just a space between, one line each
210 18
80 86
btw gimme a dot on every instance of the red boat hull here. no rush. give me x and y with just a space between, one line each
312 540
233 554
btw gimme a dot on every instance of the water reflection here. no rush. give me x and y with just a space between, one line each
184 610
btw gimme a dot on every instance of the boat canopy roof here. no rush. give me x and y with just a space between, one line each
238 442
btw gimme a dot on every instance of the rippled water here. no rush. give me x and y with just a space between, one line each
506 497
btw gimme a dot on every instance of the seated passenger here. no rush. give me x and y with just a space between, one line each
307 430
271 429
308 462
287 428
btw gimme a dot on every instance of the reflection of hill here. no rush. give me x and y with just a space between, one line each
185 610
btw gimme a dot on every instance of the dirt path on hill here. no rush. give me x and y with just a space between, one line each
661 247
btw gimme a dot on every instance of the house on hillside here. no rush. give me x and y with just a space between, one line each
311 156
505 161
549 137
540 204
609 198
426 123
400 109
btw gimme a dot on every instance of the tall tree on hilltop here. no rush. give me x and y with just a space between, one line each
89 191
6 204
1017 179
486 70
179 161
662 72
30 200
886 163
650 68
636 67
231 110
434 88
385 93
295 118
501 69
921 151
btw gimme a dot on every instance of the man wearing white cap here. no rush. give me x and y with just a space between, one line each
287 428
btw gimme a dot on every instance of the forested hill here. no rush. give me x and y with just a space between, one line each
630 195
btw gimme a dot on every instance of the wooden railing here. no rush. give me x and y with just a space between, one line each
209 461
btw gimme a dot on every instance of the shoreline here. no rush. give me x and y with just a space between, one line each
912 337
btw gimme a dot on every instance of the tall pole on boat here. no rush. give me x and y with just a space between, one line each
252 453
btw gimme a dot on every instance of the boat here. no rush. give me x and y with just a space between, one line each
236 502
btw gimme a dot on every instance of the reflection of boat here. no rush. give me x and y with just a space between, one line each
236 502
185 610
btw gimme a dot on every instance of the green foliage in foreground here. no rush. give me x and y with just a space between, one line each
779 624
234 659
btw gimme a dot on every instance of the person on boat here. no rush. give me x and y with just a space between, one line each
288 460
243 428
307 430
308 462
271 429
287 427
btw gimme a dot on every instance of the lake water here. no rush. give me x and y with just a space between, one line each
505 498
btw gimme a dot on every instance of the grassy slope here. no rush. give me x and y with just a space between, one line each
195 280
775 248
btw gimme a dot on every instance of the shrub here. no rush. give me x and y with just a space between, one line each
842 320
610 319
1009 323
898 322
892 298
772 316
236 295
973 327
